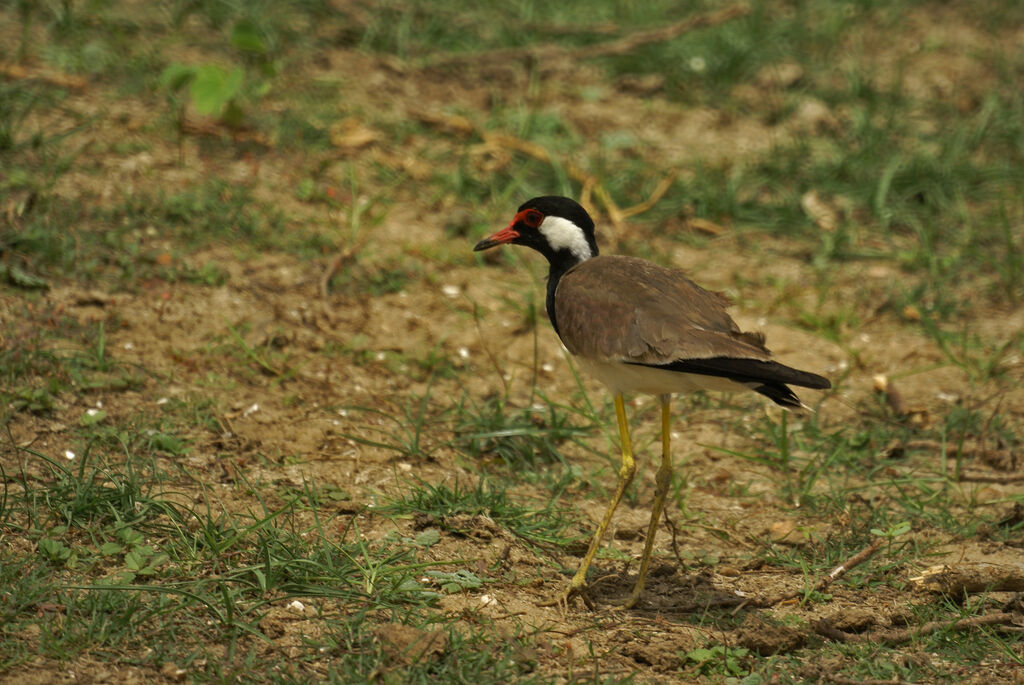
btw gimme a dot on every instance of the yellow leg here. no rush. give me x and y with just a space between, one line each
662 481
626 472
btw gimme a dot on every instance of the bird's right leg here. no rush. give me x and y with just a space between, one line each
662 480
627 470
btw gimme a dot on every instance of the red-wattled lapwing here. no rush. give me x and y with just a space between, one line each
640 327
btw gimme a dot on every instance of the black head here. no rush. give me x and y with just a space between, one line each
557 227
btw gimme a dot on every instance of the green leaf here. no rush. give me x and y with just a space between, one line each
338 495
247 37
110 548
92 416
176 75
213 88
21 278
306 190
409 585
428 538
700 655
134 561
457 581
233 82
232 115
54 550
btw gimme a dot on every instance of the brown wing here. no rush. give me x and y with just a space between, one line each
626 309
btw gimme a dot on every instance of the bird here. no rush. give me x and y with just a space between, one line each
639 327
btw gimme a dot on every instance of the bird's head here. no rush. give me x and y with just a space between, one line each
557 227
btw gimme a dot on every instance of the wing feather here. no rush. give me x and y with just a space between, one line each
615 308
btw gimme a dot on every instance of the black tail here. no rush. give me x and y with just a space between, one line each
779 394
768 378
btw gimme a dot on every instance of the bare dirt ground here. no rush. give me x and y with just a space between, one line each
295 422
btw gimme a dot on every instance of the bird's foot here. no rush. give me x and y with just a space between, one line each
628 603
561 599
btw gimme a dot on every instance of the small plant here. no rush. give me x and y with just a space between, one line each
718 660
55 551
455 582
456 507
212 89
892 532
406 430
521 438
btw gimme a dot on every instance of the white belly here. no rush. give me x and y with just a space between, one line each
631 378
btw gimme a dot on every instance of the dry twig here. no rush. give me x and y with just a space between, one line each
214 129
621 46
17 72
986 478
591 185
342 258
907 634
826 580
972 576
841 680
897 637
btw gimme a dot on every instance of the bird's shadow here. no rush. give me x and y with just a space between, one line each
669 590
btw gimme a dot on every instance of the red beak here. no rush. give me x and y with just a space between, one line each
505 235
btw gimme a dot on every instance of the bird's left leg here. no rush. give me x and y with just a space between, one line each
662 480
627 470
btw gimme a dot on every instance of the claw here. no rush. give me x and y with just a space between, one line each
561 599
628 603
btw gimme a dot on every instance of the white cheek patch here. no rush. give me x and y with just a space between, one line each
563 234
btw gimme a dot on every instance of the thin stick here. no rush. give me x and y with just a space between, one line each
214 129
900 636
575 172
826 580
896 637
675 546
18 72
340 260
855 560
659 192
622 46
841 680
590 184
979 478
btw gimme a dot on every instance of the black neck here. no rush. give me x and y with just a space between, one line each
560 264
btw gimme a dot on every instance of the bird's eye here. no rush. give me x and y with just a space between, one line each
533 218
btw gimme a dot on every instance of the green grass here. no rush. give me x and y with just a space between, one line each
122 559
520 439
959 650
71 357
119 569
546 526
121 246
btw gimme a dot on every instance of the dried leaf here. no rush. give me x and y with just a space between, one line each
820 212
351 134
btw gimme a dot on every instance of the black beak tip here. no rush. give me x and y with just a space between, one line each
484 244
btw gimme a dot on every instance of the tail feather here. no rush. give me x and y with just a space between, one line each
748 371
779 394
769 378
